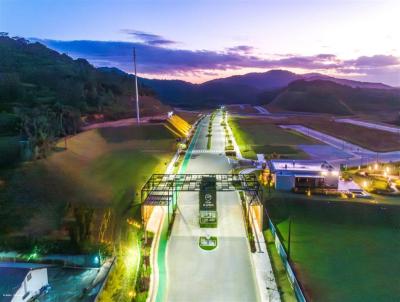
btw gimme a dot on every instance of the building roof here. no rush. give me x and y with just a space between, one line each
12 275
298 166
22 265
308 176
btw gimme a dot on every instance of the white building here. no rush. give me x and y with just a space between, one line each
303 174
19 282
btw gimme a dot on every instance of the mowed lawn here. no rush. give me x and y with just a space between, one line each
260 136
342 252
101 169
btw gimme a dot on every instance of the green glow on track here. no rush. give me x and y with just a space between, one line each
162 248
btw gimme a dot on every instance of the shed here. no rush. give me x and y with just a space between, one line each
22 281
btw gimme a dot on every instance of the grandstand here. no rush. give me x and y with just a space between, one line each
178 125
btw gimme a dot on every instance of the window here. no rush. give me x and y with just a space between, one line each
29 277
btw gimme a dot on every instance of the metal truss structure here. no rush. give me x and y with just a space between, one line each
162 189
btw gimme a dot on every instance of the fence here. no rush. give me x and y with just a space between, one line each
282 253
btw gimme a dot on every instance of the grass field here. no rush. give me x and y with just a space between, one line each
263 137
102 169
342 251
285 289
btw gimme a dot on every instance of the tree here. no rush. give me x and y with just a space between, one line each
11 87
80 230
39 126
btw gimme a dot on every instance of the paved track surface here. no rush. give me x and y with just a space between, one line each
226 273
386 128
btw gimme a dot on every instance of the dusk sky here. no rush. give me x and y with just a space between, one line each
200 40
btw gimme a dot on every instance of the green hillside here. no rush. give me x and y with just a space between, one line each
101 171
321 96
45 95
32 75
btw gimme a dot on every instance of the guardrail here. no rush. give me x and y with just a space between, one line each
112 265
290 272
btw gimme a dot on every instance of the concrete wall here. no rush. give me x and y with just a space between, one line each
37 281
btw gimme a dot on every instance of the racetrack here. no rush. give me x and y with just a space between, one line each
366 124
223 274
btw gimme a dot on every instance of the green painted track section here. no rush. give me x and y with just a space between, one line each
162 248
188 154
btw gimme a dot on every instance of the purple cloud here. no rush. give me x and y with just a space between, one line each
375 61
241 49
158 60
148 38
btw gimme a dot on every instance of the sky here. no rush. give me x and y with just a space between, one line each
200 40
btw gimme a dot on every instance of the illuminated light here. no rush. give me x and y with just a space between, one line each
335 173
131 294
96 260
387 170
376 166
324 173
385 174
130 259
179 124
365 183
369 168
308 192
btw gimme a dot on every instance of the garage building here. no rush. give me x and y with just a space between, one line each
303 174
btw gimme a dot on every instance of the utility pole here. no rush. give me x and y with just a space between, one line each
136 88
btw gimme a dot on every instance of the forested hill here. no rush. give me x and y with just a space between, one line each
45 95
324 96
31 74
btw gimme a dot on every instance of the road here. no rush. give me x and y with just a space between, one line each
124 122
226 273
369 125
262 110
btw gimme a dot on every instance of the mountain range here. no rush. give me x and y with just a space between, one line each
33 75
264 88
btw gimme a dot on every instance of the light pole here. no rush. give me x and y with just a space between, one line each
136 88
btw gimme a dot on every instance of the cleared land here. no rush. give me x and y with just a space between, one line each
242 109
371 139
341 251
262 136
